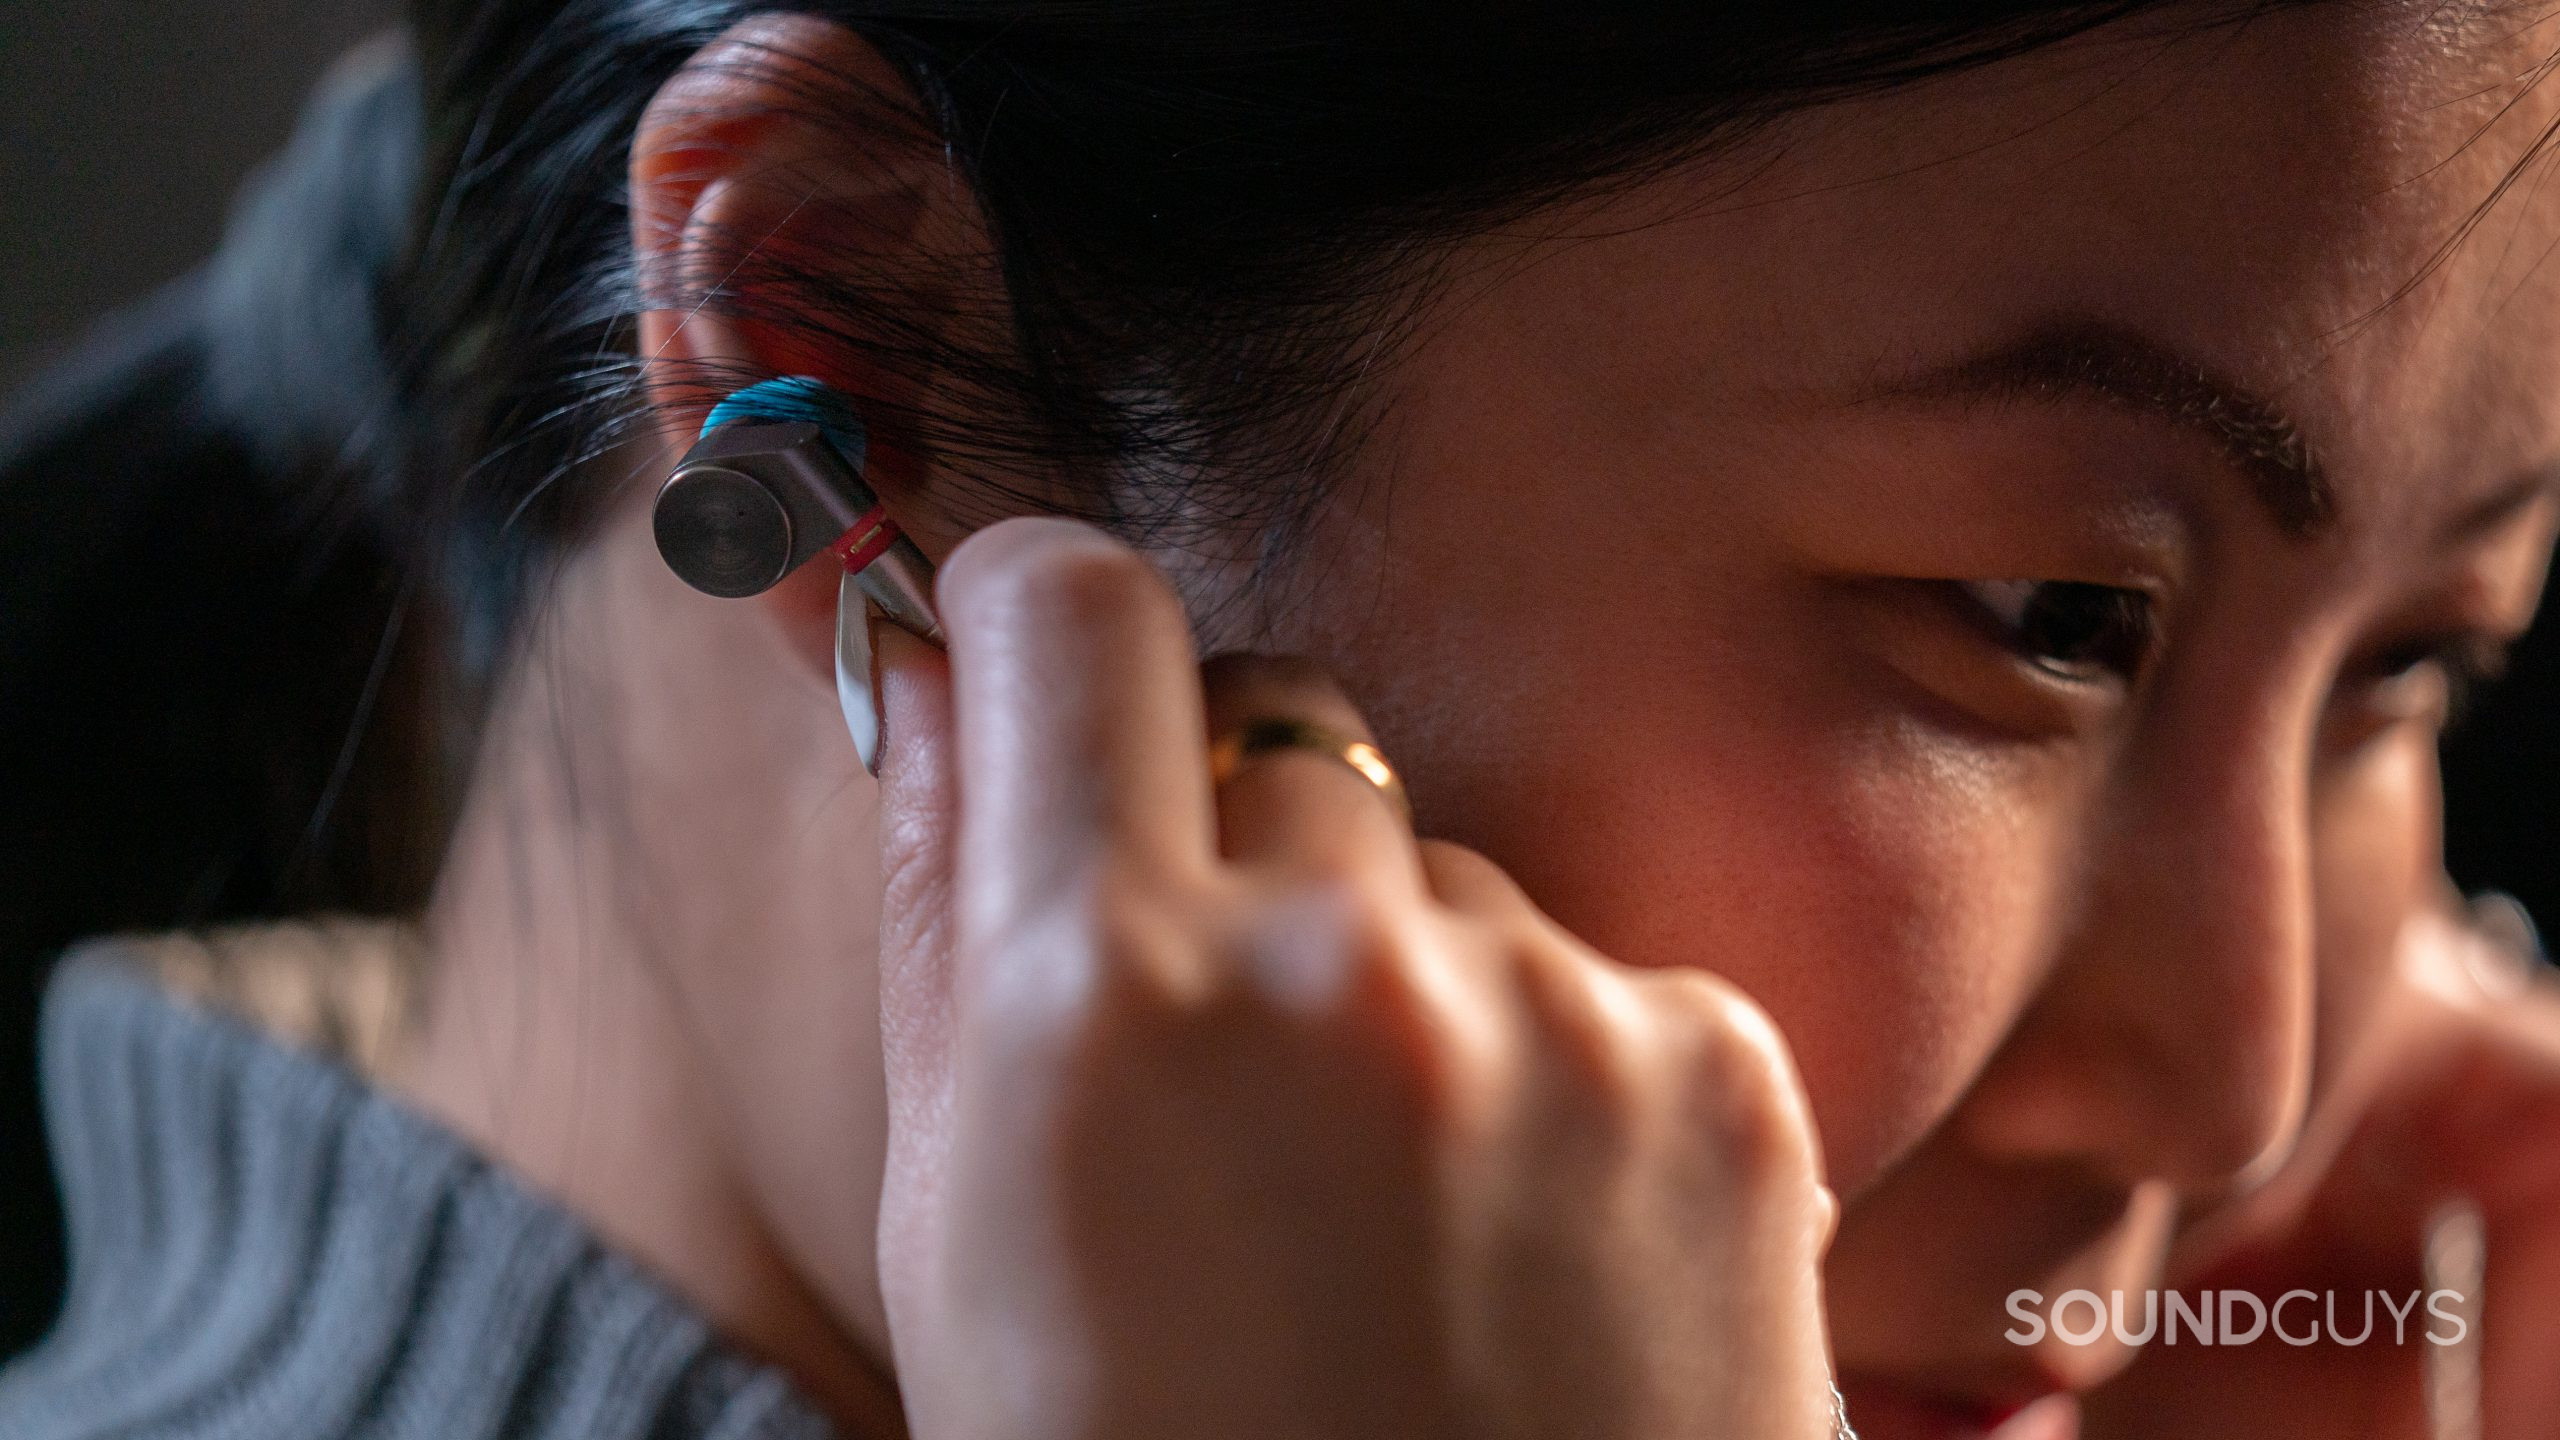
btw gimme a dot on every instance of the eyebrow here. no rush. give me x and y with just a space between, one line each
2092 360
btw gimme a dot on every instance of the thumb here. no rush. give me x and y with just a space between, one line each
919 815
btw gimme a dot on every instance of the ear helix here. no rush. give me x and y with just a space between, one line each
775 478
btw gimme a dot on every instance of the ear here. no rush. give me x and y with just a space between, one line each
785 151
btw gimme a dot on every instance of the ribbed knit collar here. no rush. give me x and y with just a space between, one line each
262 1245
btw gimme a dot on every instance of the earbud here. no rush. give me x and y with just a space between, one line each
775 478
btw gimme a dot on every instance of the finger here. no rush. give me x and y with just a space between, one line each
1742 1084
1076 696
2494 1119
918 814
1293 809
1465 880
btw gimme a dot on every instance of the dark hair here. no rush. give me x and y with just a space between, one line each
267 541
354 443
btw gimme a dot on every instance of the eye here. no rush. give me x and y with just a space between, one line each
2068 628
2420 675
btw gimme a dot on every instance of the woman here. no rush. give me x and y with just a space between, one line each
1910 563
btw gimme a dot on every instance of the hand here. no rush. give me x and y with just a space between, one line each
1244 1114
2460 1097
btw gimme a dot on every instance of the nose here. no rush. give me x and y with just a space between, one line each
2171 1039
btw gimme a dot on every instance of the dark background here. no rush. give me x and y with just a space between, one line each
125 125
124 129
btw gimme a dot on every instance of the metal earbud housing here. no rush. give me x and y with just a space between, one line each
753 501
756 499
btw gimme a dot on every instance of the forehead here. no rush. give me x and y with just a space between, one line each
2339 205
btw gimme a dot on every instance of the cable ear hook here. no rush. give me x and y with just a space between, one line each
776 478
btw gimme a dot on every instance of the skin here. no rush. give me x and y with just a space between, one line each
1672 585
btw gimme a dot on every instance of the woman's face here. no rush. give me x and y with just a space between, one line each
1982 573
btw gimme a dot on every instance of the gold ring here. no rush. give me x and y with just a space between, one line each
1254 737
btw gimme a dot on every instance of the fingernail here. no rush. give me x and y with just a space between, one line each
858 674
871 622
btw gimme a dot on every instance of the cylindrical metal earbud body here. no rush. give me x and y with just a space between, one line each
751 502
754 500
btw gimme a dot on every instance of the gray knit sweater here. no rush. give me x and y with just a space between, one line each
263 1247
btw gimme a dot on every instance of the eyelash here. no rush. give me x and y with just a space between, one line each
2106 629
2470 662
2118 634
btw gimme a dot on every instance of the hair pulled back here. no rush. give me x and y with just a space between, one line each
270 539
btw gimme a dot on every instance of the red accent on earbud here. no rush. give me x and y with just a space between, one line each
867 540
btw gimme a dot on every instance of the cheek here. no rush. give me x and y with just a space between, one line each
1878 888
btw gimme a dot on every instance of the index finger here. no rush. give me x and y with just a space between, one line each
1076 694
